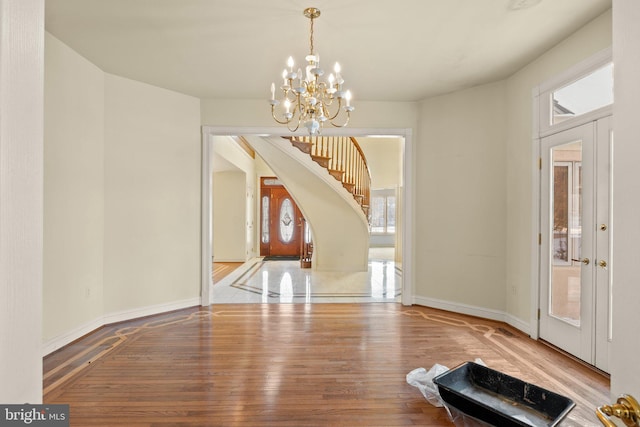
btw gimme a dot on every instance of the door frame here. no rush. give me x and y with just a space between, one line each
540 129
206 229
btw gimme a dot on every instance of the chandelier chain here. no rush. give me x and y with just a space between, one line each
311 38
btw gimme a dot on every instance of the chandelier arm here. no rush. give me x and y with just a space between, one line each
288 92
328 101
273 114
297 125
337 111
279 121
299 106
344 124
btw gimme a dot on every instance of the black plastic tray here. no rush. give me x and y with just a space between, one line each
499 399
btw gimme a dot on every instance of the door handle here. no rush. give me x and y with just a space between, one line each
626 408
585 261
602 263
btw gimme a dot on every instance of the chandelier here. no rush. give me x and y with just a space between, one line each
306 99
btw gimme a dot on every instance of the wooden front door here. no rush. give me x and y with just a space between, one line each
281 219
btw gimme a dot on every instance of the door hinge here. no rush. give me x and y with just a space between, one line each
538 314
540 163
539 239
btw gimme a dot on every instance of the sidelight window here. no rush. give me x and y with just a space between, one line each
265 219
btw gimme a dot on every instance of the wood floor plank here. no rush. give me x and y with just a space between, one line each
294 365
220 270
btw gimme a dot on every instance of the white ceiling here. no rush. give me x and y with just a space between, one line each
403 50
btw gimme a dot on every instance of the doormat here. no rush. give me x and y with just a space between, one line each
282 258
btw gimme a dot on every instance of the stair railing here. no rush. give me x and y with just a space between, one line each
345 161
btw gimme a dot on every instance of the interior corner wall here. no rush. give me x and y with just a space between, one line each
587 41
152 196
460 200
73 190
121 196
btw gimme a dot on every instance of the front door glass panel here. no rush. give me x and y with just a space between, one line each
286 223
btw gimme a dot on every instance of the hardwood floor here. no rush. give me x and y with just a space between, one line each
221 270
294 365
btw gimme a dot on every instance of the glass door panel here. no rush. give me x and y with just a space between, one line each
566 232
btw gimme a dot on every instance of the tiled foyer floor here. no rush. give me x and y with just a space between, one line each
259 281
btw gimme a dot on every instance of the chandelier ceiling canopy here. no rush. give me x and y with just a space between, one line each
307 99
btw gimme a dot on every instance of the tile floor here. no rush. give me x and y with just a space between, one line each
259 281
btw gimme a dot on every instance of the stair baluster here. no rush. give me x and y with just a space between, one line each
344 160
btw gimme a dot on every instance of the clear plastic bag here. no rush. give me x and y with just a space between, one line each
423 381
460 419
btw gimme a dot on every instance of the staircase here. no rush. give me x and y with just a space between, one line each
329 181
344 160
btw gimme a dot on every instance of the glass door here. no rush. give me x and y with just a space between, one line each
574 288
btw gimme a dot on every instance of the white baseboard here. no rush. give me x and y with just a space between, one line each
68 337
518 324
471 310
149 311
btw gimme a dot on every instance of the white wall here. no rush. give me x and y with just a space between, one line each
21 156
474 187
520 162
73 190
474 168
244 242
246 113
625 369
461 198
384 157
229 221
122 198
152 196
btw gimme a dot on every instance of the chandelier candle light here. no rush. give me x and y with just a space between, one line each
305 98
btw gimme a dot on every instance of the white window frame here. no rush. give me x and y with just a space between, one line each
388 192
543 96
